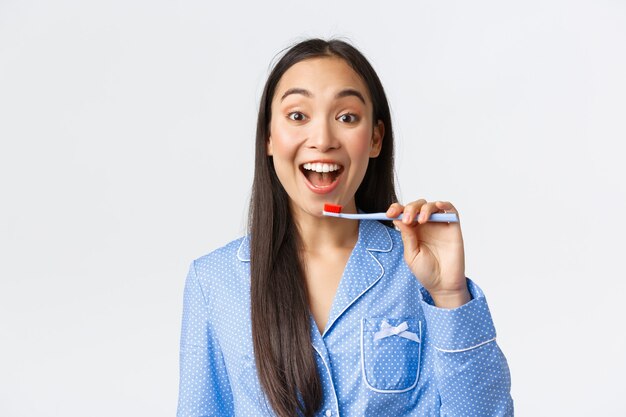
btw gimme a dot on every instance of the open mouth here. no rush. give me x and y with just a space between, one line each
321 175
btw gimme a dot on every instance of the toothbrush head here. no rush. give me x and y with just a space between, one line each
332 208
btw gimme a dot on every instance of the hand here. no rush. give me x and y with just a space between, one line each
433 251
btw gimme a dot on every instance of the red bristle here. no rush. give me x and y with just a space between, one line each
332 208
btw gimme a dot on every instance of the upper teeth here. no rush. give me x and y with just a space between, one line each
319 167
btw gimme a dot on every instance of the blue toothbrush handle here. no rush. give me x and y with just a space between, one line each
435 217
439 218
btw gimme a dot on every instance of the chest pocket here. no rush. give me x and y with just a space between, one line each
390 353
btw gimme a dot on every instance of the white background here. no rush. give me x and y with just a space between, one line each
127 132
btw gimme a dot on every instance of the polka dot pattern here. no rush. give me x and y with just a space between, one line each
452 366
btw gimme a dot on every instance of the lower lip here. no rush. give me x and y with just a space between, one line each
321 190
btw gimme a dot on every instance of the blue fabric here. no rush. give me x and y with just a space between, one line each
447 364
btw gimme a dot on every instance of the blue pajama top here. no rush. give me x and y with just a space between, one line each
386 349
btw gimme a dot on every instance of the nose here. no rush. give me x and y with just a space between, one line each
322 137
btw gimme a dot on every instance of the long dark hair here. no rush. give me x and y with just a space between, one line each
283 352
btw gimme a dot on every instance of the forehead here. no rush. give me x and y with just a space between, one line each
321 75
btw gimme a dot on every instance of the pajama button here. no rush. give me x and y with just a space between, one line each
329 413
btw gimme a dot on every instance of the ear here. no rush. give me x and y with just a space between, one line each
268 146
377 139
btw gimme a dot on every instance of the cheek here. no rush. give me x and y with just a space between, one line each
360 143
283 146
285 140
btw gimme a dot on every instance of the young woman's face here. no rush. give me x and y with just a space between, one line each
322 134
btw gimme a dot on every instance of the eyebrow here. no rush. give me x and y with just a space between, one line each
348 92
302 91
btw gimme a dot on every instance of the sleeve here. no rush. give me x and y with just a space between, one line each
204 388
472 374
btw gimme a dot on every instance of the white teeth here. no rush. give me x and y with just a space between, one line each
319 167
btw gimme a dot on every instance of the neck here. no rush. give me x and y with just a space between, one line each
322 233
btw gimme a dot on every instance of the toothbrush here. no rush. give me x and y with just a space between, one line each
334 210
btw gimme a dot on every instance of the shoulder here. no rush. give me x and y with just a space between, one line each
222 274
227 254
223 258
225 261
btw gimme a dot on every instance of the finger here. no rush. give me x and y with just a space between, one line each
394 210
425 212
447 207
411 210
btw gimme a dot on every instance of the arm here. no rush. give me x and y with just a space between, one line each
204 388
472 374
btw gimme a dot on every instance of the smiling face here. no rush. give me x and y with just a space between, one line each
322 134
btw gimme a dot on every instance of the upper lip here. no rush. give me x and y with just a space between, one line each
322 161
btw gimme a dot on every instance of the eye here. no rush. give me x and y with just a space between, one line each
348 118
296 116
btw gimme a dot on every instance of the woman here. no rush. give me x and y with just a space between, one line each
312 315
